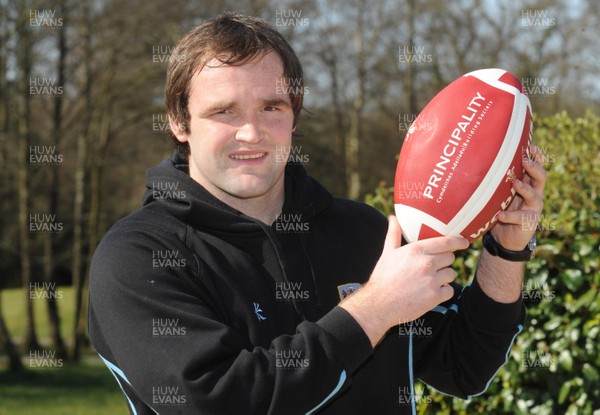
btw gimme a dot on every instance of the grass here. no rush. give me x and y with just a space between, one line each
13 307
86 388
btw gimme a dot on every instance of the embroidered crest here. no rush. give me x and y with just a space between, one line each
510 174
345 290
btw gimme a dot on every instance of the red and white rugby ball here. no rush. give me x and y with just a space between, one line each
460 156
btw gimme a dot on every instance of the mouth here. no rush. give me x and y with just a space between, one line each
251 156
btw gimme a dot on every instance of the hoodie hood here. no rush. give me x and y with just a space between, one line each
170 184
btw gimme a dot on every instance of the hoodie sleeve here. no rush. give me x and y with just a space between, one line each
172 353
477 333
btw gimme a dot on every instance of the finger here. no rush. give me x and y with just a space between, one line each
538 155
443 244
527 219
446 293
445 276
443 260
532 199
393 238
537 173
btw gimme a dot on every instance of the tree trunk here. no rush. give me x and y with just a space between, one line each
14 359
411 70
356 127
330 60
82 154
25 63
49 240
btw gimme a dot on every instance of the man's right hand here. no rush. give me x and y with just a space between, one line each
407 282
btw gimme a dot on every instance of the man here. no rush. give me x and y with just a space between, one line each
204 302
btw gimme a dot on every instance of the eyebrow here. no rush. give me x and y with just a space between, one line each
225 105
276 102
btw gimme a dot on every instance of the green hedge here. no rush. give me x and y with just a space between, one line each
554 365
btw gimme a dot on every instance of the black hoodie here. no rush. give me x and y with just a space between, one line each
197 308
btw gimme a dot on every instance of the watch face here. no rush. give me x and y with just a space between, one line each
533 243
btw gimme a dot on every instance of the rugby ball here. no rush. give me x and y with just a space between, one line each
460 156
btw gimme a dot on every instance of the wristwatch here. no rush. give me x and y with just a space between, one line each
494 248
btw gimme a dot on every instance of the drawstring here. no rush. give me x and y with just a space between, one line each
312 272
282 263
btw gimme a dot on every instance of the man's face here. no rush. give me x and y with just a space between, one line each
240 128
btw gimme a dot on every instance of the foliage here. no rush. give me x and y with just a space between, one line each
553 366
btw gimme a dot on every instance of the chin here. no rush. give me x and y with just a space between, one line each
248 189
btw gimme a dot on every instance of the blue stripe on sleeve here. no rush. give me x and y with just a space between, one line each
410 370
116 371
487 385
444 310
331 395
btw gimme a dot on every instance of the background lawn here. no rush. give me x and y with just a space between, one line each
13 306
84 389
87 388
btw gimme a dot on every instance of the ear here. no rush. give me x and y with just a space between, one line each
178 130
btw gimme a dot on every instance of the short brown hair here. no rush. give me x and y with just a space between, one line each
233 39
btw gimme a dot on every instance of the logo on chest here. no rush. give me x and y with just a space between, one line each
345 290
258 312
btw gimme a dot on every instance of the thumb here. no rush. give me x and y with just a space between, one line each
393 239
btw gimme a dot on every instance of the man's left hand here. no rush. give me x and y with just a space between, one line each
518 223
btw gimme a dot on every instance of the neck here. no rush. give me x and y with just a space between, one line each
264 208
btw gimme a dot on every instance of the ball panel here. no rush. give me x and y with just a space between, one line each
412 221
504 193
454 158
427 232
495 187
451 177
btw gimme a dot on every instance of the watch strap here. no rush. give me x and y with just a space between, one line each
494 248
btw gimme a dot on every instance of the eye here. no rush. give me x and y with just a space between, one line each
222 111
270 108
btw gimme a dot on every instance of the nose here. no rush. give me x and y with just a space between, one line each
250 130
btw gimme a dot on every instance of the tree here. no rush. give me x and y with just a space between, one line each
53 195
25 59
